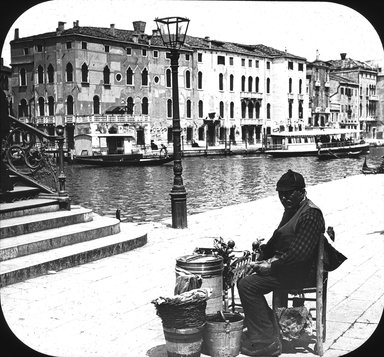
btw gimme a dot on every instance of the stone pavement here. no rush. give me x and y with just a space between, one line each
104 308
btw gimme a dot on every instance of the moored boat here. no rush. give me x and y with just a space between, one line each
315 142
330 155
122 160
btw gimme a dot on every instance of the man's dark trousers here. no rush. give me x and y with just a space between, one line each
259 316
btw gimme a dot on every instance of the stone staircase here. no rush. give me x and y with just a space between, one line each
37 237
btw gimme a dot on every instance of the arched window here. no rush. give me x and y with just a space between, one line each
84 73
51 73
169 108
129 76
300 109
168 78
231 79
243 83
300 85
23 108
268 85
290 85
69 70
187 79
232 110
51 106
201 107
257 84
106 75
96 104
130 105
200 80
144 77
250 83
250 110
144 106
40 74
70 105
257 110
189 108
268 111
221 85
289 109
221 109
41 106
23 77
243 109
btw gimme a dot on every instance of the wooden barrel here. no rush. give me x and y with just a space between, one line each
210 268
183 342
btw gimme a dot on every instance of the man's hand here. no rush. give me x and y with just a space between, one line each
263 267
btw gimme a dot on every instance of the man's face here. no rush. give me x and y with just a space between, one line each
291 199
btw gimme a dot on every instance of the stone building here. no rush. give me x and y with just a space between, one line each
5 83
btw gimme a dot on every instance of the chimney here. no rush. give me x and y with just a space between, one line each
16 34
208 39
343 56
60 27
112 26
317 55
76 24
139 26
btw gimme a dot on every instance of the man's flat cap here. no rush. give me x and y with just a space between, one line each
291 180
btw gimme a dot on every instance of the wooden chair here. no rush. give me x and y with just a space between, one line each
281 298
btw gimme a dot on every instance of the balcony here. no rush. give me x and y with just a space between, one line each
300 96
373 98
291 96
317 83
327 84
251 95
252 121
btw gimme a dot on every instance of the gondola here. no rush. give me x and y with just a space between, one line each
372 170
329 155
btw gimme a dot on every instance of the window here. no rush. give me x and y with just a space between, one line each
301 67
106 74
23 108
300 85
290 85
69 45
268 85
268 111
41 106
243 109
290 65
249 63
250 83
231 81
221 109
69 72
39 48
155 54
169 108
83 45
70 105
221 85
300 109
257 84
130 105
168 78
129 76
243 83
257 63
144 52
51 106
200 108
268 65
144 77
156 79
118 77
200 80
257 110
187 79
187 56
51 72
199 57
220 59
189 108
26 51
243 62
96 104
250 110
231 61
144 106
106 48
40 74
232 110
84 73
23 77
129 51
168 55
290 109
341 90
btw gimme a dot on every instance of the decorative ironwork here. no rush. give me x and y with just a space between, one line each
30 154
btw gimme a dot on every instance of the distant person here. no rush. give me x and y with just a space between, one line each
154 146
195 144
164 148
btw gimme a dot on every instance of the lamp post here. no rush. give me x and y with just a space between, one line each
62 192
173 32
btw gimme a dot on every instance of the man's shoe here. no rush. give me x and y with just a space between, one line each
256 349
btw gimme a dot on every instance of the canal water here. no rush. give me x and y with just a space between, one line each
142 193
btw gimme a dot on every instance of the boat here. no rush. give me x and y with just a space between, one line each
122 160
330 155
313 142
366 170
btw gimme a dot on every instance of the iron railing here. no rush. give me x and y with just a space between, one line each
27 153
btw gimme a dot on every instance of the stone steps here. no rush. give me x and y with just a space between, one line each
19 193
27 207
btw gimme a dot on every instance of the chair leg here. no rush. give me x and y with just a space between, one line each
233 297
324 314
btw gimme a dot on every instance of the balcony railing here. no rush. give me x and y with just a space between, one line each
251 121
27 152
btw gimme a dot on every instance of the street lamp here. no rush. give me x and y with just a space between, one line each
173 31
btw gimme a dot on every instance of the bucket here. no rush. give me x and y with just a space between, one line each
210 268
223 339
183 342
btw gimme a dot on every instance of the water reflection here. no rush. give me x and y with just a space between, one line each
142 193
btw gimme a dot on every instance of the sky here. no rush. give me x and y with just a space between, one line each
301 28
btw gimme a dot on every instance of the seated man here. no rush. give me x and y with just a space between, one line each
287 261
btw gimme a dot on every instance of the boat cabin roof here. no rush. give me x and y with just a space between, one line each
316 132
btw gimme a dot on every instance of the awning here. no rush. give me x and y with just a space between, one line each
316 132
